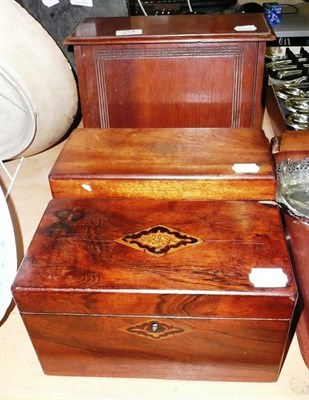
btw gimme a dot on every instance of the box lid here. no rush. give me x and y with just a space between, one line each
177 163
158 258
176 28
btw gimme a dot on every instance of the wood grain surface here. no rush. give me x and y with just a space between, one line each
182 71
179 163
95 307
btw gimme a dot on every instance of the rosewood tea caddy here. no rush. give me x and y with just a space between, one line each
158 289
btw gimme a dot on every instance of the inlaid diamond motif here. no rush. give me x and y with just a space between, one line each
154 330
159 240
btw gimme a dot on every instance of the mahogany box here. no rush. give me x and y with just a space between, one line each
158 163
200 290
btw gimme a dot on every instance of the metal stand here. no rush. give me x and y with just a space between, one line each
11 177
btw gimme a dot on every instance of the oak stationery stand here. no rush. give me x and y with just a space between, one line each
171 71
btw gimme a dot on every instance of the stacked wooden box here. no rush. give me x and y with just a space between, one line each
160 256
162 253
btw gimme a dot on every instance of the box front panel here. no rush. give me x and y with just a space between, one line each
173 348
171 85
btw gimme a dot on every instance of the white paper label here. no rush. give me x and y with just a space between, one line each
85 3
243 168
128 32
87 187
245 28
50 3
268 277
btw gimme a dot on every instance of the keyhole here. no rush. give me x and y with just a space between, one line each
154 326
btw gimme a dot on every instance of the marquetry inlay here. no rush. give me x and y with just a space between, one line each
158 240
154 330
